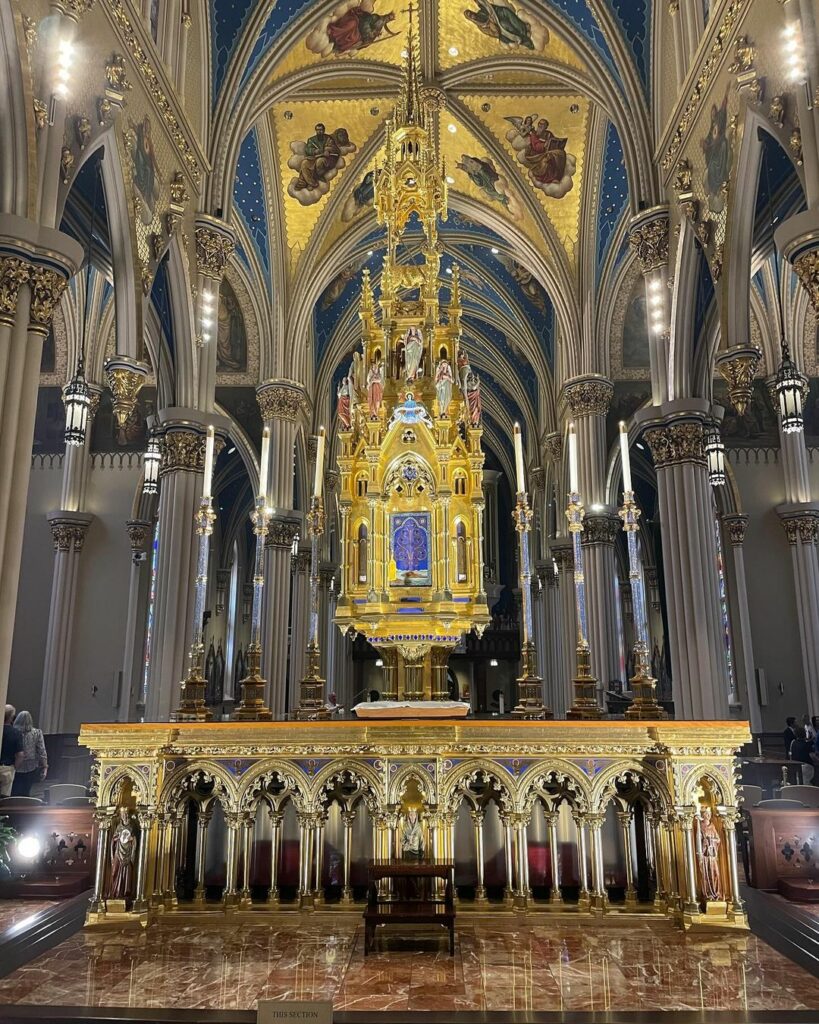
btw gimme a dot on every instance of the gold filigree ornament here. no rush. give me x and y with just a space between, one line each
738 367
125 378
40 114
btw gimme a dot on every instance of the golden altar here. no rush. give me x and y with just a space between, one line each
585 818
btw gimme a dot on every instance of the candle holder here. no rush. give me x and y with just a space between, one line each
192 707
584 704
251 707
530 685
311 697
643 686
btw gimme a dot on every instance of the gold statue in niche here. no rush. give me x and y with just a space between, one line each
410 459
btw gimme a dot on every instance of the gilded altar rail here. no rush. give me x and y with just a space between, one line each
646 810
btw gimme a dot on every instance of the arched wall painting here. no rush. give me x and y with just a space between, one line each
635 330
410 540
231 342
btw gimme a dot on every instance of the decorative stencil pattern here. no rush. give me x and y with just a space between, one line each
634 18
613 193
227 19
249 197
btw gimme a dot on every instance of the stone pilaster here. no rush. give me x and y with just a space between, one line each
140 536
648 237
299 622
801 525
276 608
566 626
734 527
676 437
214 243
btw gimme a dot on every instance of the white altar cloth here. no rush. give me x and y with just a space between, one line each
412 709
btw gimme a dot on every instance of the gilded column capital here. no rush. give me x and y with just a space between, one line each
183 448
589 395
215 244
648 238
800 525
600 528
736 524
798 240
139 532
806 267
675 443
282 532
738 366
47 287
125 377
281 399
74 9
553 446
14 273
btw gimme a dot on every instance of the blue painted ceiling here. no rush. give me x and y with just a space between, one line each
613 193
249 198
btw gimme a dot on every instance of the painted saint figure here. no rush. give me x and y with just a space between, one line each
502 22
545 154
482 174
317 161
473 398
716 148
443 385
464 369
357 29
345 417
375 387
412 837
123 858
710 842
145 168
413 350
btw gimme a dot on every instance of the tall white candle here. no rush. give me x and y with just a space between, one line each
625 457
519 470
263 463
573 486
319 478
207 483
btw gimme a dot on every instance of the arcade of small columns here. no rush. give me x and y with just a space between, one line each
619 829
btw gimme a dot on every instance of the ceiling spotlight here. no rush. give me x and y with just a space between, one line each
494 250
379 663
370 252
452 128
405 54
450 180
493 662
454 51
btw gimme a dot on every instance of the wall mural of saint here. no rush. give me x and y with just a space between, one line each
716 147
529 284
335 289
231 339
508 25
350 27
145 169
635 330
483 174
317 161
361 198
543 154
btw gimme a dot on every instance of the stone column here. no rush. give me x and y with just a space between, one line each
69 530
648 237
588 399
145 819
347 817
581 824
29 290
801 524
734 527
676 436
599 896
214 247
730 816
103 818
555 896
625 819
233 823
182 443
685 822
566 626
508 854
281 403
553 640
276 818
477 822
203 821
326 577
140 535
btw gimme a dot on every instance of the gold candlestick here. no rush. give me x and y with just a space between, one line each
585 704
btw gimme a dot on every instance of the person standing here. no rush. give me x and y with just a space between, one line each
34 764
789 735
11 752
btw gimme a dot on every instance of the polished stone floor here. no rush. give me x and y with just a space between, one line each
13 912
499 964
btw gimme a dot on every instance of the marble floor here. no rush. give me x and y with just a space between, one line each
498 964
12 912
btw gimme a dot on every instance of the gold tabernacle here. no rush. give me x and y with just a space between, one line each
568 817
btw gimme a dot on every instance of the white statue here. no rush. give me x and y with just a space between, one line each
443 385
413 350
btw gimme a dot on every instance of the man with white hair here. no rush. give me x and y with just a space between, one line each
11 752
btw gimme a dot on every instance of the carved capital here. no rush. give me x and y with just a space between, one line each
183 448
280 399
281 533
600 528
68 535
735 525
125 378
648 239
47 286
801 526
74 9
589 396
14 273
139 533
676 443
553 446
738 367
214 247
806 267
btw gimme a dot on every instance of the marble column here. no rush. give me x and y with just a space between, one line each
69 530
801 524
588 399
554 666
567 626
182 443
675 433
30 288
734 527
281 404
140 535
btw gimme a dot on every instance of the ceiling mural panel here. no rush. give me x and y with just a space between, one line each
316 142
546 136
375 30
471 29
